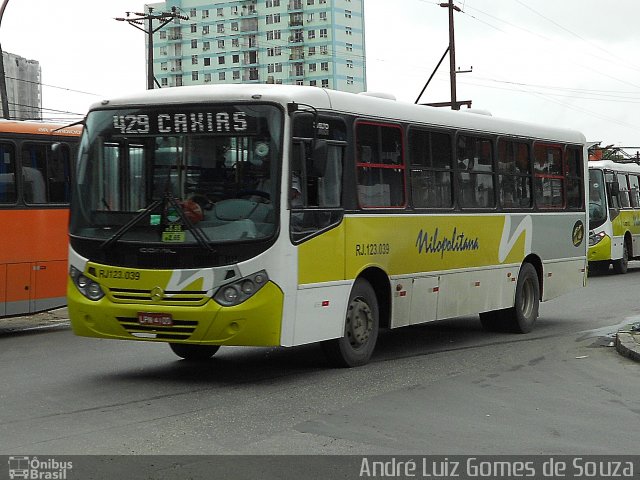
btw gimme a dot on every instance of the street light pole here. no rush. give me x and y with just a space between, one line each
3 80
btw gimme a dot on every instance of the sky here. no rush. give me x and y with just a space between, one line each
567 63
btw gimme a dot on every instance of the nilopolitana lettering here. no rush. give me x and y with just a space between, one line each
456 242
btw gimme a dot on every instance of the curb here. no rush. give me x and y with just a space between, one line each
628 346
47 320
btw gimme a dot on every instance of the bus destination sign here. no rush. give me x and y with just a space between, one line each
219 122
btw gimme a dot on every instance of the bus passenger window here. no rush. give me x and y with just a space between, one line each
623 196
475 172
431 170
34 170
549 180
575 189
7 174
514 174
380 165
634 192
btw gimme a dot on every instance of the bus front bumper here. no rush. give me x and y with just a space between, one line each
255 322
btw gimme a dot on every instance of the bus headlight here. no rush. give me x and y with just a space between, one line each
596 238
85 285
237 292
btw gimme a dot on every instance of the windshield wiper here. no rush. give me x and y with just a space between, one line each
197 232
168 198
130 224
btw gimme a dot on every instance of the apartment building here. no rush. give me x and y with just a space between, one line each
24 87
301 42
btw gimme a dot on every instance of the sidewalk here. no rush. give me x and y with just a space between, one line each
57 318
627 340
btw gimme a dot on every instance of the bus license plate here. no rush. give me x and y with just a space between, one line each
156 319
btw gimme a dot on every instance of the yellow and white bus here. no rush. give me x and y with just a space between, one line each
614 214
270 215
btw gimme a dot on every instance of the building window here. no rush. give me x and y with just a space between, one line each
221 76
277 34
310 18
207 62
310 2
219 12
192 12
325 83
206 46
299 82
205 13
163 51
324 66
234 10
235 58
164 82
323 50
299 69
278 67
236 74
163 34
311 34
348 31
349 80
323 16
220 43
205 30
276 18
312 51
270 35
194 59
234 26
269 19
312 67
313 83
221 60
178 80
270 68
194 28
349 63
347 14
235 42
207 77
163 66
349 47
194 43
220 28
194 76
323 33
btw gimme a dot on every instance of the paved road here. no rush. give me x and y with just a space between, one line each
443 388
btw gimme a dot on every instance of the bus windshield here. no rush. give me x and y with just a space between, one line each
597 199
181 175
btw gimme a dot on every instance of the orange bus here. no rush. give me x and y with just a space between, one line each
35 171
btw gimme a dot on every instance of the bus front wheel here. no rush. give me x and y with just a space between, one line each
194 353
361 329
621 265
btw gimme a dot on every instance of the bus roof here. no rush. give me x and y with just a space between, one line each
627 167
34 127
365 105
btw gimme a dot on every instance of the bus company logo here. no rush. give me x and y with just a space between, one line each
577 235
456 242
36 469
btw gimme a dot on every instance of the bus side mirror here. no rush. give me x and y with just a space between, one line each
319 158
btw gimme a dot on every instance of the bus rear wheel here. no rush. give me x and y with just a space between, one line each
194 353
522 316
361 329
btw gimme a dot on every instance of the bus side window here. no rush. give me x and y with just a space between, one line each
634 191
34 170
623 196
514 174
575 187
7 174
431 169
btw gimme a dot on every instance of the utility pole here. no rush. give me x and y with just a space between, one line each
138 22
3 79
451 50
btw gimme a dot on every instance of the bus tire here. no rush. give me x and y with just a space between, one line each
522 316
621 265
362 324
194 353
